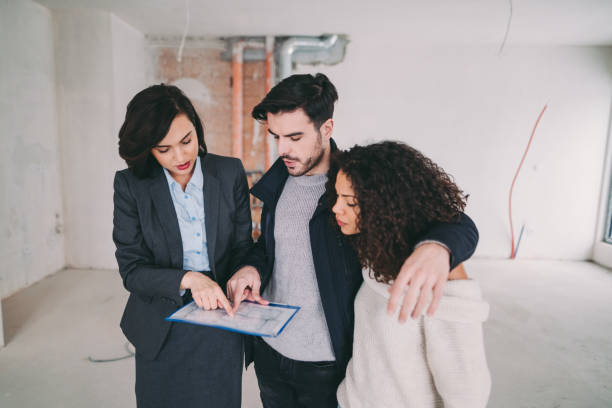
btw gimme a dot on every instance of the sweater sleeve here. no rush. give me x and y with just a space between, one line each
455 349
460 238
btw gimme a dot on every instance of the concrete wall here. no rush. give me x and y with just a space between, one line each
132 69
468 108
31 214
100 65
472 112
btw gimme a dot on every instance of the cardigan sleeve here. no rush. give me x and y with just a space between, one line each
455 348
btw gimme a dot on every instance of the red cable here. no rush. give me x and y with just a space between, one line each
512 251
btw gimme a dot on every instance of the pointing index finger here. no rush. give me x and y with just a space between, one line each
223 302
256 295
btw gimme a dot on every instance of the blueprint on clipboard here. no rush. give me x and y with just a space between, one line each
250 318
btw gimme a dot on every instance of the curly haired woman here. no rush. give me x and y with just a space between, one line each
384 196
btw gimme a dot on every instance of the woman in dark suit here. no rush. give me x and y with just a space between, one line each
181 225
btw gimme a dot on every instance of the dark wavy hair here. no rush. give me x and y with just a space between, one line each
147 121
401 194
316 95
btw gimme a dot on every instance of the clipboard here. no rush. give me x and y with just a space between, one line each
251 318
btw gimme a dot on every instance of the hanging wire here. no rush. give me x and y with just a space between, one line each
513 250
180 53
503 44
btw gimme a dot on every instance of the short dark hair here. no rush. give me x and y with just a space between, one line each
401 195
316 95
147 121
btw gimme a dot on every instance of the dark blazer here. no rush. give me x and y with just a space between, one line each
149 246
336 264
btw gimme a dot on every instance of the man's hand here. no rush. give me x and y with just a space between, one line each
425 271
205 292
243 285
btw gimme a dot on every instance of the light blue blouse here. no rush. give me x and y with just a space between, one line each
189 206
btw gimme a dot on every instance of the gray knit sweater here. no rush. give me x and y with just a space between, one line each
293 281
431 362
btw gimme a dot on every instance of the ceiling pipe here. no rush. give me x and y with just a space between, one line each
295 44
269 62
237 94
270 146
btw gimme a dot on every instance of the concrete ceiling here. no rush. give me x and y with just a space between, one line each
567 22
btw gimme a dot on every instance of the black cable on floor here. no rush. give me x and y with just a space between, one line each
109 360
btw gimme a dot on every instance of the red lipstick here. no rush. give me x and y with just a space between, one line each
183 166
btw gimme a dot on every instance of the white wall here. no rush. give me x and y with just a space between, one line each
31 215
469 109
132 69
100 65
472 112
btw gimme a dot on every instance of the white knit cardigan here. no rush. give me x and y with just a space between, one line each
432 362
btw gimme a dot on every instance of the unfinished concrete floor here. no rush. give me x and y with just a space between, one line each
549 338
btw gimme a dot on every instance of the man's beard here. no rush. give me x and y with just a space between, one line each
311 162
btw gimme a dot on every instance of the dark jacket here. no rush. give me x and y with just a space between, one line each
336 264
149 245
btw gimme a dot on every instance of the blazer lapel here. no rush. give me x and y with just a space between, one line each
160 194
211 210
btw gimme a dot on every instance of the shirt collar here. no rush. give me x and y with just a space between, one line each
197 178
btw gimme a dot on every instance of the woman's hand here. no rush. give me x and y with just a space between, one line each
205 292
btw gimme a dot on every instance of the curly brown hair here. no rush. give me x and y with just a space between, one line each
401 194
